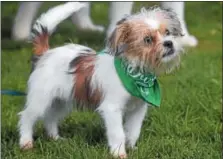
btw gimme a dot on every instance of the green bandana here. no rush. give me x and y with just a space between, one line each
144 86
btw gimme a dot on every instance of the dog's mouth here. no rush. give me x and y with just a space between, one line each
168 53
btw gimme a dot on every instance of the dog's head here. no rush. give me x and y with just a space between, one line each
149 40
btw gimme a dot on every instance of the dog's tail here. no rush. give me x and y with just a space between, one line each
46 24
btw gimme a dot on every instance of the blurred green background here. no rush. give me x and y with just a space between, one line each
188 124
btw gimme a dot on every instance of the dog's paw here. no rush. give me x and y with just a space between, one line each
122 156
131 144
189 41
99 28
93 27
132 147
26 145
56 137
119 154
88 25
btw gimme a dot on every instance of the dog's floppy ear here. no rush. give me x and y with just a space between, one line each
116 42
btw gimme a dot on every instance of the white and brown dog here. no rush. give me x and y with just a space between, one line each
148 41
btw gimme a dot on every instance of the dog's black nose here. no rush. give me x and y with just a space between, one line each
168 44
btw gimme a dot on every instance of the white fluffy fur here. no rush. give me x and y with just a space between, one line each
50 92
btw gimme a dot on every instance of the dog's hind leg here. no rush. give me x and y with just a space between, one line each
27 121
53 115
37 105
82 19
26 124
23 20
117 10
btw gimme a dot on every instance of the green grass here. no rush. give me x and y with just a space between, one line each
186 126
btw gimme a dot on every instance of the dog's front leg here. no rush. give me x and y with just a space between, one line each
133 124
112 116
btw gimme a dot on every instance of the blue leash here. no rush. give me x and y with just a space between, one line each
12 93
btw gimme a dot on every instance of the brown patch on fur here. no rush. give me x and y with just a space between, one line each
40 44
162 29
119 35
133 33
28 145
83 92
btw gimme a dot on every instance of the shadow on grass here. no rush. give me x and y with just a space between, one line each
92 134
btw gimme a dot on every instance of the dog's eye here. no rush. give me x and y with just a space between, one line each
148 40
167 32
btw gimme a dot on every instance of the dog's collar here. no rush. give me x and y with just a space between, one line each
138 84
